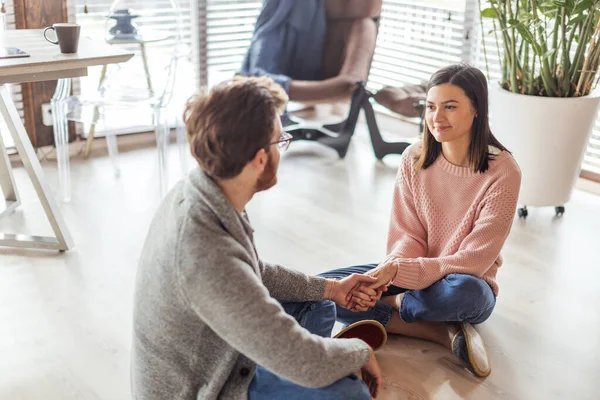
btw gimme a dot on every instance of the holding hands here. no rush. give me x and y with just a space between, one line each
365 295
342 292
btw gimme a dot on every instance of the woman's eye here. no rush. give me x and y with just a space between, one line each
430 107
450 107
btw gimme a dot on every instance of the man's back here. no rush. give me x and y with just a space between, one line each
202 311
167 332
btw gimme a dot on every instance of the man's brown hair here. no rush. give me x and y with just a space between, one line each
227 126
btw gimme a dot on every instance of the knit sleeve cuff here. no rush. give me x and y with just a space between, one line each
409 273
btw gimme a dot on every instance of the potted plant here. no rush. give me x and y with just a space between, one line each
545 107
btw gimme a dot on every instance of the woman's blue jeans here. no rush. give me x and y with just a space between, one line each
455 298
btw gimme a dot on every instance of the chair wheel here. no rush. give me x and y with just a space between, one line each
560 210
523 212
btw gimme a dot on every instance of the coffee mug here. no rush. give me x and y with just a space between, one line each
67 35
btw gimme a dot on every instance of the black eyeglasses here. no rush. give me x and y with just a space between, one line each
284 142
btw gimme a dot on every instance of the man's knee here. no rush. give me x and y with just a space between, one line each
350 388
302 310
324 306
317 317
469 294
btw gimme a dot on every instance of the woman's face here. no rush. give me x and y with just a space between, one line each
449 113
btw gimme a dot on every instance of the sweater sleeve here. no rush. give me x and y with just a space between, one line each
407 238
481 247
286 284
223 289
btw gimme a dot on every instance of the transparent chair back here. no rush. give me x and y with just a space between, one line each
151 29
136 93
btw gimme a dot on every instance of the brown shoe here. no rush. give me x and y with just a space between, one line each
468 346
369 331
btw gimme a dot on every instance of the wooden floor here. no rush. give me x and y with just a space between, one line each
65 318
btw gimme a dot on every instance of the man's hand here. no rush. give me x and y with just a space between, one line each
365 297
371 375
343 291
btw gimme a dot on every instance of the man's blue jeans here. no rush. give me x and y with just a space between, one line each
455 298
318 318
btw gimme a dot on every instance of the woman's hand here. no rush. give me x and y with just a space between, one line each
384 273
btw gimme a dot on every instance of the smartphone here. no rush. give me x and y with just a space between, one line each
12 52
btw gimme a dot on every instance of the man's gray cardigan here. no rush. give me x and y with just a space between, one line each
207 308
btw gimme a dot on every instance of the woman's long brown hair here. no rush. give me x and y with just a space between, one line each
474 85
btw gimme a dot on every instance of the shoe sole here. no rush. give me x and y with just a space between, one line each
377 327
475 344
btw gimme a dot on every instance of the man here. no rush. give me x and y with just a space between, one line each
211 320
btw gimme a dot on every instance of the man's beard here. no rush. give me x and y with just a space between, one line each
268 178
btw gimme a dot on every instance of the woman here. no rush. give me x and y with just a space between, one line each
454 202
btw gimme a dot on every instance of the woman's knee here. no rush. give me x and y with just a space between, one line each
472 296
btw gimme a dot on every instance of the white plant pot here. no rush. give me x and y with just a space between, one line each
548 137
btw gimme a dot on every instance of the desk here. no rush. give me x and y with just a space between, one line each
45 63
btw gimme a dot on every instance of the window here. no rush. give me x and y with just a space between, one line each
591 160
217 32
229 27
415 39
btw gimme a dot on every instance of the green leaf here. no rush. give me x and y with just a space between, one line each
568 4
527 36
548 54
489 13
577 19
546 7
581 6
525 16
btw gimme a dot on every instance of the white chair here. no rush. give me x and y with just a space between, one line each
142 87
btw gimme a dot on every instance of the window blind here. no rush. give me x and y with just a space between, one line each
415 39
229 29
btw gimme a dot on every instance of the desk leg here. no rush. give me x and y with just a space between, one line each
61 136
7 183
62 241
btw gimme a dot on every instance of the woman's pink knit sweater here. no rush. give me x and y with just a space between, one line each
448 219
